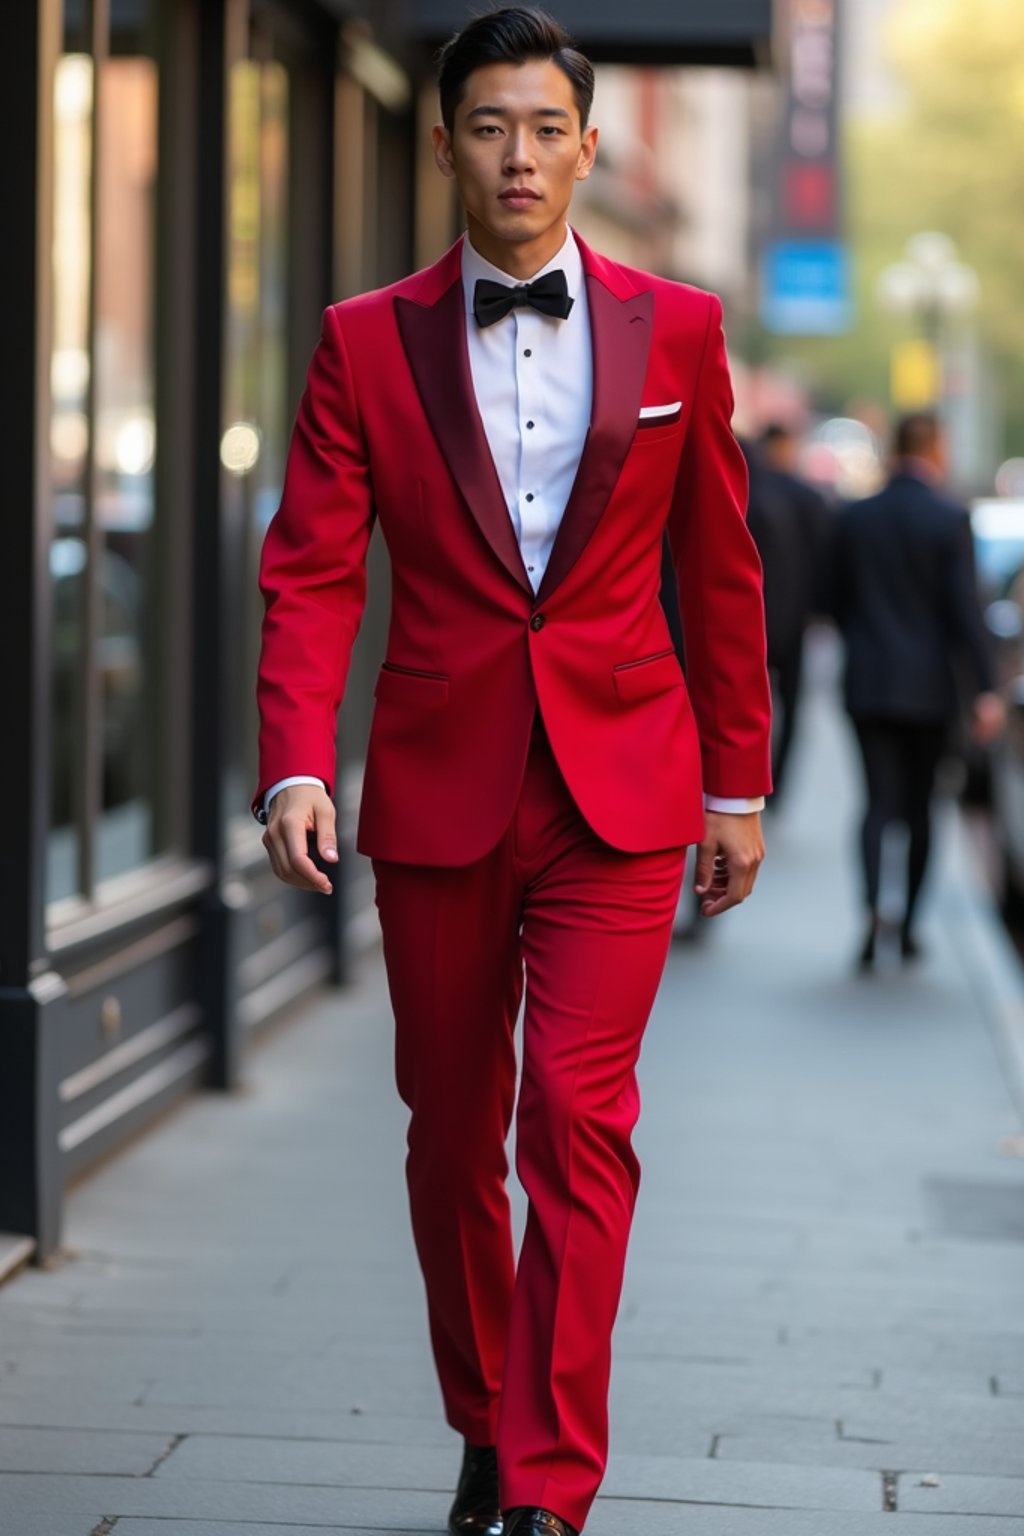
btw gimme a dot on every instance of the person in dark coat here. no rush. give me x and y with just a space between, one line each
789 522
904 596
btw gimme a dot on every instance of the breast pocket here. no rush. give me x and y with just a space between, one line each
658 424
645 437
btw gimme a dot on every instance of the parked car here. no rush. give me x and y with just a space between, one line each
998 528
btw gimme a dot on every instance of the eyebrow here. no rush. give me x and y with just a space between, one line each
486 111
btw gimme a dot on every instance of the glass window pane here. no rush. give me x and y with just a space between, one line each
69 448
125 443
256 408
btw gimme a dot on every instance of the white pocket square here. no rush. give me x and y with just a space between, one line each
653 413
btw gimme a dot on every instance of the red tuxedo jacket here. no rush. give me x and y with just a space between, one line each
388 427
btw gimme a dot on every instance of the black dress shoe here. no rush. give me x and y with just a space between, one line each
910 949
535 1522
476 1511
866 954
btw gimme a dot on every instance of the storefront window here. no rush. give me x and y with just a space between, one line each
70 442
103 447
125 448
256 410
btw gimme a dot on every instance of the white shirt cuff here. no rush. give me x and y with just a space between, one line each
731 807
274 789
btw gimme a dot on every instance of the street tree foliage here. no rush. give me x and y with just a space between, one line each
949 156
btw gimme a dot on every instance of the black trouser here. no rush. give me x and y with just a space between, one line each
785 672
900 761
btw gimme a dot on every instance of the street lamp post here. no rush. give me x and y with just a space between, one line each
938 292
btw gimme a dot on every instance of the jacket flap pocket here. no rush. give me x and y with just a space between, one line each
398 685
655 674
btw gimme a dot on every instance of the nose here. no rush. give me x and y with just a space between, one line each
519 151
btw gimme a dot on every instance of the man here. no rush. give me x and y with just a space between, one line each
524 418
789 523
905 599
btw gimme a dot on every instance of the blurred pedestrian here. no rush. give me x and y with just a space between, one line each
789 522
525 418
904 596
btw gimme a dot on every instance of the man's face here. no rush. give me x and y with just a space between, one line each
783 453
516 150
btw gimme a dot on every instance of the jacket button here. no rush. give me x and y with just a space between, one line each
537 622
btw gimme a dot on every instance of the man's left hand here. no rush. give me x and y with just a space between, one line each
727 860
988 718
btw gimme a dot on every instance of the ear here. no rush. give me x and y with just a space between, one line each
588 153
442 141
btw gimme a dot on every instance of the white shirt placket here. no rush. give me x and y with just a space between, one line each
529 502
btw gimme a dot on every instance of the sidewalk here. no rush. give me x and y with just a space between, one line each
822 1331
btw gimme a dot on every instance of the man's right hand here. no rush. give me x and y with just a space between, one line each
988 718
294 813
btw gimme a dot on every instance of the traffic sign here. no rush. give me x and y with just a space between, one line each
805 288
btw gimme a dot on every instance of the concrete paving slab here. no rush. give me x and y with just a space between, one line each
939 1379
676 1384
46 1523
241 1503
368 1394
613 1519
985 1455
17 1388
959 1495
53 1411
250 1460
231 1528
975 1419
902 1350
671 1479
81 1450
721 1413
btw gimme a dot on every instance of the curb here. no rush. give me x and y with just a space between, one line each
989 959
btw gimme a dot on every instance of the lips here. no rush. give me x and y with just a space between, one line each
518 197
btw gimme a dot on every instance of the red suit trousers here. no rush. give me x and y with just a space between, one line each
523 1351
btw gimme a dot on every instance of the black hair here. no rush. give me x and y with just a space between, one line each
511 35
916 435
777 432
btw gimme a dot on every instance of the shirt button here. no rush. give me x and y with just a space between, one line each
529 495
537 623
529 426
528 352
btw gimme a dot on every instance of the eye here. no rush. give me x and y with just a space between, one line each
551 130
487 130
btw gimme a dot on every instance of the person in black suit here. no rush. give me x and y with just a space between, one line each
904 596
789 523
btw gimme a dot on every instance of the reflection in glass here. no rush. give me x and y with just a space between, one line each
125 449
69 450
256 416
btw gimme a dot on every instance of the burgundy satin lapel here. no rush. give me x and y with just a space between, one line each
434 338
620 333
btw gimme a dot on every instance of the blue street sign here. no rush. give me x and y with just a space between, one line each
805 288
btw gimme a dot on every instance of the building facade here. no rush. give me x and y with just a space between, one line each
195 180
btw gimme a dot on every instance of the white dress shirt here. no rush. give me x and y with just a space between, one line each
534 424
533 377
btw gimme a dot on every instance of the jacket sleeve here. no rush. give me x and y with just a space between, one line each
719 580
313 573
963 605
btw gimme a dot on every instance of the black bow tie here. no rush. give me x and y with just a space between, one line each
549 294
